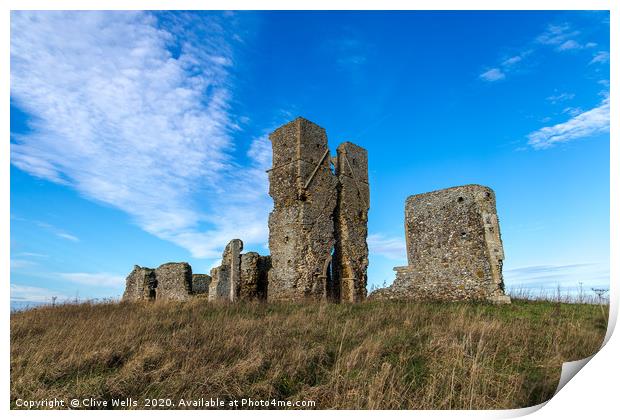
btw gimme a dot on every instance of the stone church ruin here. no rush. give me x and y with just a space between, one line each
317 238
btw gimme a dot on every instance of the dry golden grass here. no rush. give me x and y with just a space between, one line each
376 355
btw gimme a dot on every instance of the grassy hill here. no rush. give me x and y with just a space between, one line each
390 355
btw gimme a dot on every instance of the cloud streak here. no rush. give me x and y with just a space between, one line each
56 231
133 110
561 37
585 124
600 57
549 276
493 75
22 293
392 248
94 279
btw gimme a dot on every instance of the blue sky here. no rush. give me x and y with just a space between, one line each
141 137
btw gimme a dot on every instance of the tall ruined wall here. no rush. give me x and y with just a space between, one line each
301 225
351 224
454 248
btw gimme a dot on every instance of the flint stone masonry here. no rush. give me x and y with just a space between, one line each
254 270
169 281
454 248
141 284
200 284
301 225
219 289
174 281
351 223
240 276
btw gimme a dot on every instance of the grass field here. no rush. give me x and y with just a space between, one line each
375 355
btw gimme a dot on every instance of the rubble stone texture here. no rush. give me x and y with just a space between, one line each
200 284
141 284
301 225
168 281
232 260
174 281
219 289
351 223
225 278
454 248
240 276
253 276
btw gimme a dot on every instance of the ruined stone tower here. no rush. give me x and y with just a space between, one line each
454 248
317 229
301 226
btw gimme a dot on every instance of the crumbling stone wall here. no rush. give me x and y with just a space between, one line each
168 281
219 289
140 284
200 284
240 276
301 225
351 224
174 281
253 276
454 248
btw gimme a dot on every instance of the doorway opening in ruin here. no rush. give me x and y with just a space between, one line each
152 286
332 284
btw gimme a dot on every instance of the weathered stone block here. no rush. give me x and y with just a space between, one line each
174 281
219 290
200 284
454 247
140 284
254 276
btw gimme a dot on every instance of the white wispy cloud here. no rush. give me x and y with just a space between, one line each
493 75
572 111
32 254
600 57
132 109
68 237
35 294
19 263
505 66
560 97
588 123
548 276
390 247
350 51
571 44
561 37
94 279
55 230
511 61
